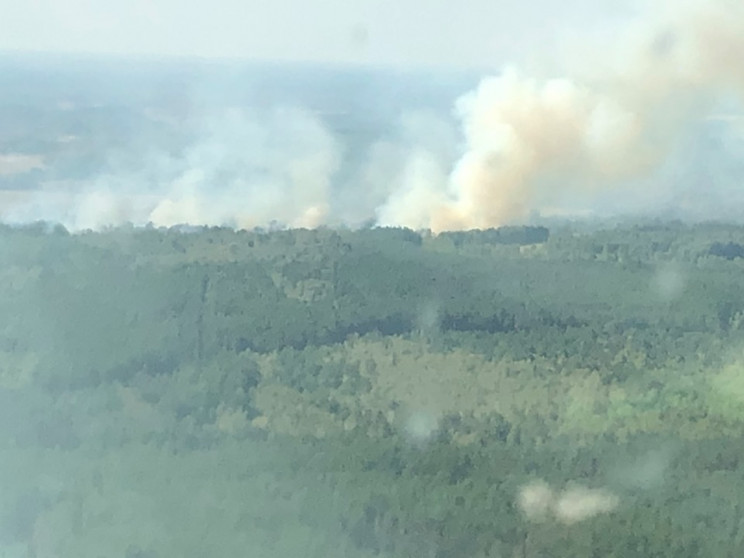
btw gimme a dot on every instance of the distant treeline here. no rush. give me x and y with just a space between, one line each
519 235
728 250
522 235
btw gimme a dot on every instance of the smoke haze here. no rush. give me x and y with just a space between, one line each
599 121
247 170
525 137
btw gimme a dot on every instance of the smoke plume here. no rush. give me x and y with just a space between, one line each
246 170
607 117
290 161
614 120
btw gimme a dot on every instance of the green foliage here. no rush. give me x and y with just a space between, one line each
380 392
728 250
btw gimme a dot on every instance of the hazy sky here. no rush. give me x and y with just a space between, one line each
410 32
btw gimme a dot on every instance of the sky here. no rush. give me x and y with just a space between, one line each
432 33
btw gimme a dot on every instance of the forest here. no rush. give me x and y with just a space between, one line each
521 392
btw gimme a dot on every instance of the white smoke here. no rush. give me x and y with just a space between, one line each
251 173
413 203
417 164
603 118
94 206
615 120
246 170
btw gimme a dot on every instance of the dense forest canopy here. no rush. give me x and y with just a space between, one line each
380 392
